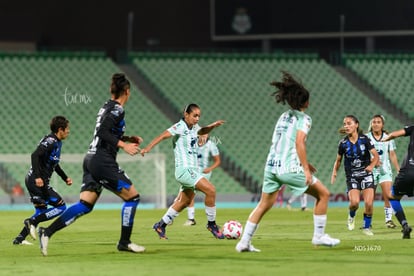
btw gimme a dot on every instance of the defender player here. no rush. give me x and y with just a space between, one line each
356 148
45 160
404 182
100 169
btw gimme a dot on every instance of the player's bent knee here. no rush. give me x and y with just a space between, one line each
135 198
87 207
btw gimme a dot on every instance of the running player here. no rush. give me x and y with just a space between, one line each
357 149
287 164
185 135
206 150
404 182
45 160
100 169
383 171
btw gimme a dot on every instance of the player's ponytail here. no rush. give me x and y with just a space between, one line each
119 85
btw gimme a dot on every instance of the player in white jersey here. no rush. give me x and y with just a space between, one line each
185 143
287 164
383 171
207 149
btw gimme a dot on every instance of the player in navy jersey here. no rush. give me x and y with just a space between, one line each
404 182
356 149
45 160
100 169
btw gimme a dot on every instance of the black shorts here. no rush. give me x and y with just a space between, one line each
404 182
45 195
360 181
103 171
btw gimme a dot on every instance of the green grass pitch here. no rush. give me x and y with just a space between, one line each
88 247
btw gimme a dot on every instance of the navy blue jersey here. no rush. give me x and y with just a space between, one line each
45 159
409 158
109 129
356 156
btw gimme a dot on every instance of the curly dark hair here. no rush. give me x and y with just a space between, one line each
291 91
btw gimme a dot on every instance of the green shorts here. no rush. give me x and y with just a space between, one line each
188 177
295 181
380 178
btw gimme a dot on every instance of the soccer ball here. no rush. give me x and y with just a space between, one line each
232 229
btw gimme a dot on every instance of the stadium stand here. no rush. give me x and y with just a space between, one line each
389 74
37 87
236 88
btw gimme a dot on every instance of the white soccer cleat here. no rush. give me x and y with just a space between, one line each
31 228
325 240
367 232
241 247
131 247
25 242
43 240
351 223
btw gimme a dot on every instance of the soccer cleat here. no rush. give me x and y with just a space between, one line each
131 247
351 223
325 240
241 247
190 222
367 231
390 224
406 231
30 227
214 229
43 240
160 230
21 242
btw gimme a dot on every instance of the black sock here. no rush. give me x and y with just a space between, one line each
400 215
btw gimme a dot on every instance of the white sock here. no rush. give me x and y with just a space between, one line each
248 232
388 213
190 212
304 200
170 215
211 213
319 223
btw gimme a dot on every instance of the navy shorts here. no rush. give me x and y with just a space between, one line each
45 195
404 182
102 171
360 181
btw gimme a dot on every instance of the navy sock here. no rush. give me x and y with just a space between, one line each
69 216
399 212
127 217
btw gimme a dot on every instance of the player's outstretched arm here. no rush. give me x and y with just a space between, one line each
208 128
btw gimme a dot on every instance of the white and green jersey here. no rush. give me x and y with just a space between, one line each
204 153
185 144
283 157
383 149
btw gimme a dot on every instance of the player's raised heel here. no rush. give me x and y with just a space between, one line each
214 229
43 240
160 230
30 227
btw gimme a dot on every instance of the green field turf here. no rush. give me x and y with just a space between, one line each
88 247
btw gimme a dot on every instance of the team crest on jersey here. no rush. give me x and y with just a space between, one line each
362 147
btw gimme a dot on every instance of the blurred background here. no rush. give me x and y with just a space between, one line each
57 58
